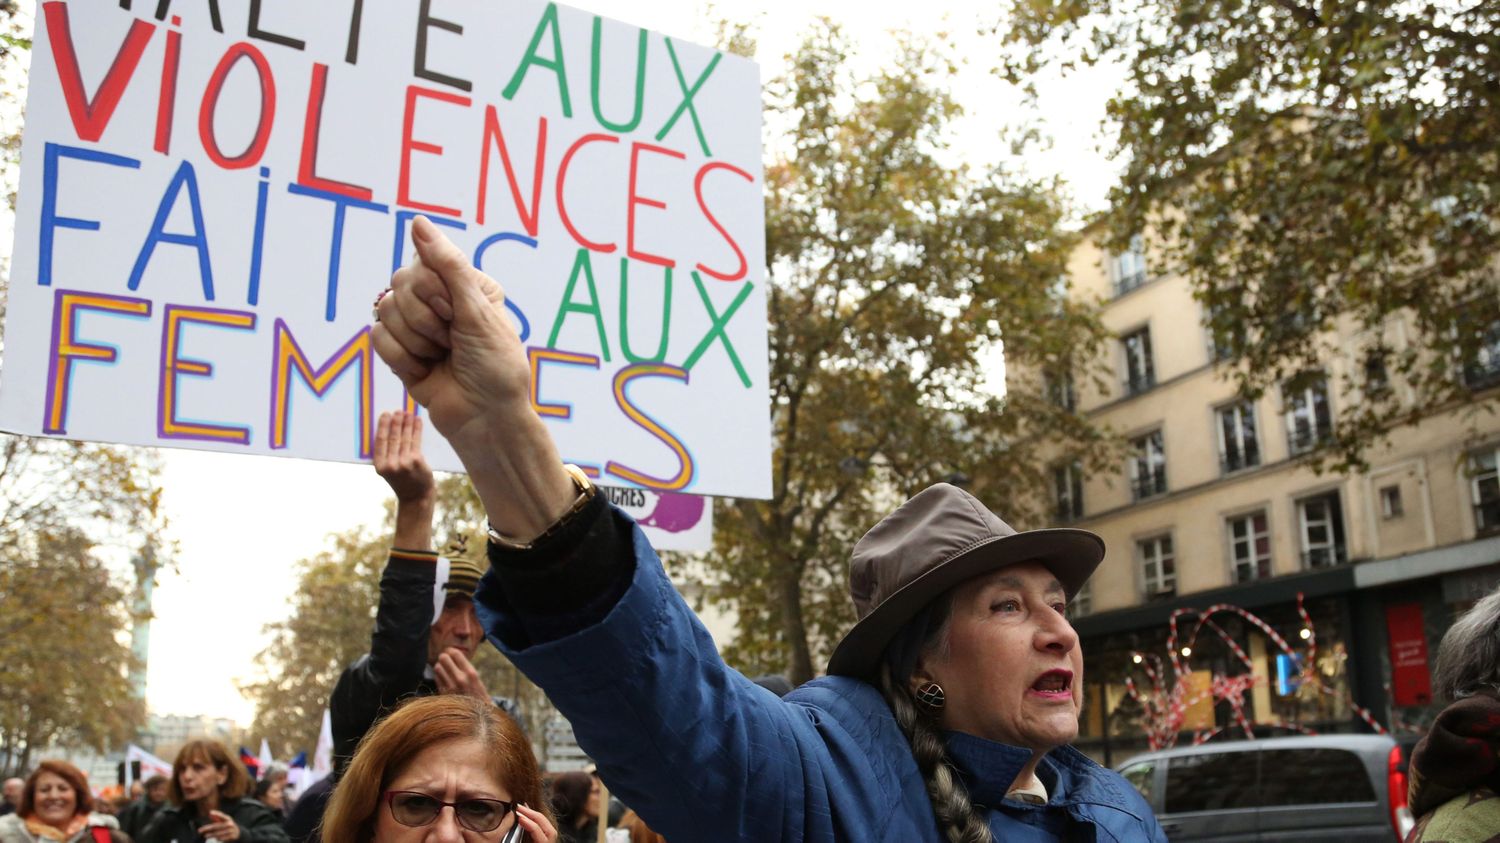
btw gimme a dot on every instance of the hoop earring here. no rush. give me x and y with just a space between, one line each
931 696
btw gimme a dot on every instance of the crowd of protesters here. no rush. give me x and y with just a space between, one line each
946 714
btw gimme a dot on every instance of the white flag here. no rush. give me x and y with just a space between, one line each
265 758
150 764
323 755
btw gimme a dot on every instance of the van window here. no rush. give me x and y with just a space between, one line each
1213 781
1314 777
1141 776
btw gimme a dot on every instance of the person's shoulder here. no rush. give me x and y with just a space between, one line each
854 707
1096 785
247 807
838 691
13 829
97 820
166 814
1472 815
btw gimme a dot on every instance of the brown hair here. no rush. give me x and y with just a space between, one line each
83 798
639 831
237 781
570 797
387 749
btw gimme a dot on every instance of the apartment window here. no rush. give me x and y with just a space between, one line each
1219 352
1158 566
1082 602
1250 547
1067 486
1309 422
1148 468
1127 269
1482 369
1322 523
1057 385
1484 483
1390 502
1238 447
1377 381
1139 374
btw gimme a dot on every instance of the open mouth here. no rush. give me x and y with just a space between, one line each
1055 684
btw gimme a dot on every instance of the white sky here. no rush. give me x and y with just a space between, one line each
241 522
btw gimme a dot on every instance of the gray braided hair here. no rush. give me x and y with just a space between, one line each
956 815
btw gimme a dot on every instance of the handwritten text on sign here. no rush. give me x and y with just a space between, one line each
213 193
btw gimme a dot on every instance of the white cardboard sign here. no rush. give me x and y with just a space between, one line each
213 192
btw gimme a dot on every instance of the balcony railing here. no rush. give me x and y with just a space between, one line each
1161 592
1482 376
1487 516
1126 283
1232 462
1302 441
1149 486
1324 557
1138 383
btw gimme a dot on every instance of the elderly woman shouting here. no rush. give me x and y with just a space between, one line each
948 707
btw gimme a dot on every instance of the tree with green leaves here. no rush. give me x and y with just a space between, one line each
894 278
65 508
331 617
1319 171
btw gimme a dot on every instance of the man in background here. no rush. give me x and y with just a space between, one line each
138 814
419 647
12 791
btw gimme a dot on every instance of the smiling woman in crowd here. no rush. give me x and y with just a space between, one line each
948 708
210 801
56 806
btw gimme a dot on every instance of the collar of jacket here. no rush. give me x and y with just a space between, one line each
989 768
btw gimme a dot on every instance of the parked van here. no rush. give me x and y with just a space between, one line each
1324 787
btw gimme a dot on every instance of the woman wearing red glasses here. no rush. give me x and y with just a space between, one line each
443 769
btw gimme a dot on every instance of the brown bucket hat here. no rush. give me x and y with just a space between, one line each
933 542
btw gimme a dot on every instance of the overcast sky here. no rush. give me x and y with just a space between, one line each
242 522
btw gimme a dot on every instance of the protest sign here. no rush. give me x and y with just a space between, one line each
213 193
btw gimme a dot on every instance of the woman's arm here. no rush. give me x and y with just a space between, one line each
588 613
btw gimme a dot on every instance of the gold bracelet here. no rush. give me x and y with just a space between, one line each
586 492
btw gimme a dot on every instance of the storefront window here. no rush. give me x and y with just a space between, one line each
1315 695
1278 691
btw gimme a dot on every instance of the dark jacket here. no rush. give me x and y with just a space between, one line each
701 753
1455 774
137 815
302 824
395 666
179 823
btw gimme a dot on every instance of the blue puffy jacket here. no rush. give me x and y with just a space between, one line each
701 753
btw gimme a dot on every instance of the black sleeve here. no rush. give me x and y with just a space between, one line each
129 818
570 579
259 824
398 651
307 814
157 830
